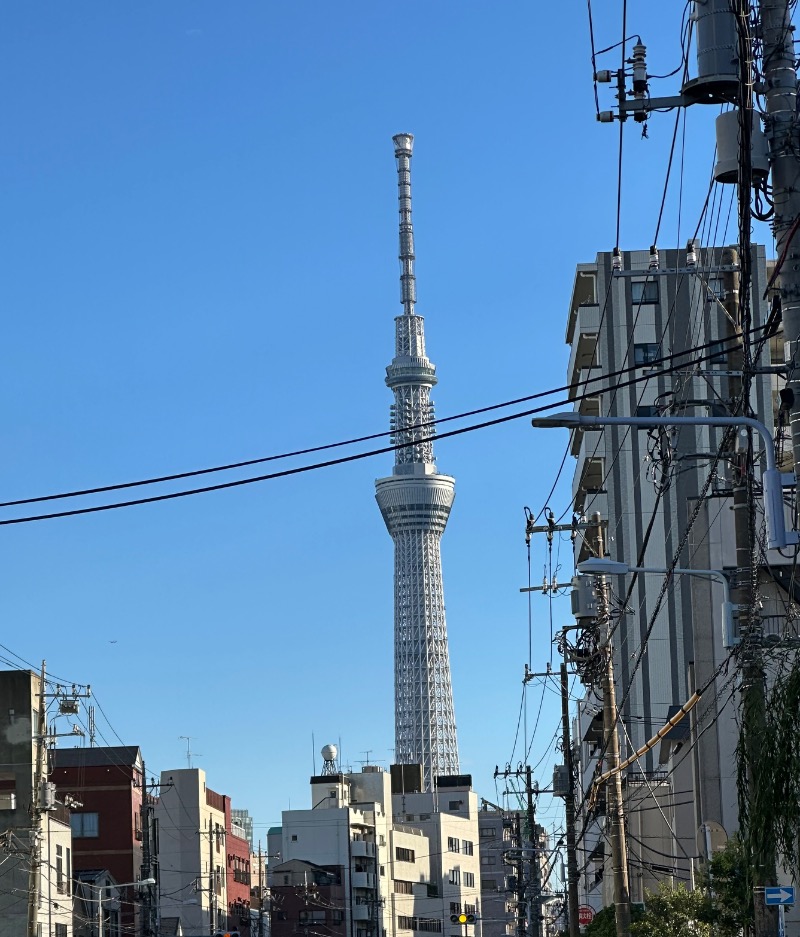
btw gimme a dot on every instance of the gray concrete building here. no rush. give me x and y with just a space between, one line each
653 485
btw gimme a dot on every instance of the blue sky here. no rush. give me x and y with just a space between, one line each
198 264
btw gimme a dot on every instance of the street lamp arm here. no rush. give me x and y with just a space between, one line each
777 535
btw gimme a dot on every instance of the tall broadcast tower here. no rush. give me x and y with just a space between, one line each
415 503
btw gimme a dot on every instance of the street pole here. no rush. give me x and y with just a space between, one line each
147 862
614 802
520 870
34 877
260 893
569 810
534 884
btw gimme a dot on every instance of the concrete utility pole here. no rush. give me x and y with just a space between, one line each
520 871
34 880
569 810
534 884
149 925
614 802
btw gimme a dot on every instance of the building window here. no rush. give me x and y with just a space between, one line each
61 879
433 890
488 860
429 925
469 880
467 848
455 876
646 353
714 289
61 930
453 845
403 855
85 825
403 888
644 291
455 907
470 909
294 837
456 804
405 923
312 917
487 832
488 884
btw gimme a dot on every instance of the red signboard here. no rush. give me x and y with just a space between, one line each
585 915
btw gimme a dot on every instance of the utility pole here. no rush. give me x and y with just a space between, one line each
522 905
211 893
569 810
534 883
148 896
260 893
34 879
614 802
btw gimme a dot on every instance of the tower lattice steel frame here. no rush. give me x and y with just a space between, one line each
415 503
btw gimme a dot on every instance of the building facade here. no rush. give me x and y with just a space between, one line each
638 322
20 735
376 855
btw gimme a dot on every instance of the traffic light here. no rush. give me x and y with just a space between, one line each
462 918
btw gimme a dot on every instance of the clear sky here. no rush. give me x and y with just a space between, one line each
198 265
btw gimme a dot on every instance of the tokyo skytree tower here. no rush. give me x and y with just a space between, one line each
415 503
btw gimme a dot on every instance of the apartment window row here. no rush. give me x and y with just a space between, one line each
403 888
427 925
402 854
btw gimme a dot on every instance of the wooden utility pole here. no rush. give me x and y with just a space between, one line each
614 802
569 810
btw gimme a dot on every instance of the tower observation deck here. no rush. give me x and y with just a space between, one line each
415 502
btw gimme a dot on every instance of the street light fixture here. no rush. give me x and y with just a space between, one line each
771 481
601 566
101 889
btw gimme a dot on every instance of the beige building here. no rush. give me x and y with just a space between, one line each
375 856
192 855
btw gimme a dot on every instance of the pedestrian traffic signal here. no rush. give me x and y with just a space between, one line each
462 918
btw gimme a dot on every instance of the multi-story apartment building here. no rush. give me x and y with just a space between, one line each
204 862
20 698
377 856
106 785
502 834
665 496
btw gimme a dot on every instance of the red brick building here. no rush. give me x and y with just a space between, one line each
237 875
106 828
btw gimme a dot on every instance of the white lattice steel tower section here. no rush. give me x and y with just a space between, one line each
415 503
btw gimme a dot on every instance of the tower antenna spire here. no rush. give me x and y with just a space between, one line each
403 147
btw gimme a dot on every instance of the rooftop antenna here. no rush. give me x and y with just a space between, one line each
189 752
403 146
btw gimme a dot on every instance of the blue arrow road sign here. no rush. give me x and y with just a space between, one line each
783 894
